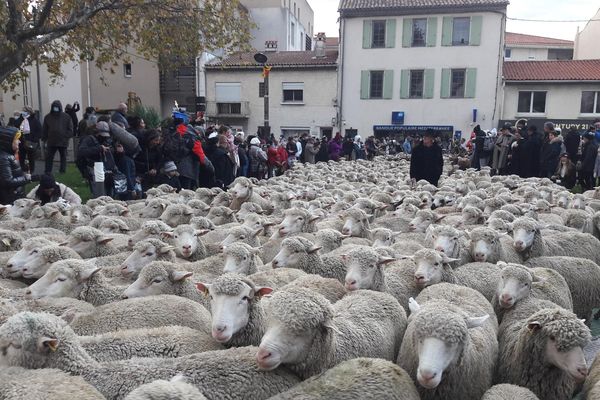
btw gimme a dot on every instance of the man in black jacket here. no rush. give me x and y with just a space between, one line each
12 177
572 140
426 161
57 131
589 153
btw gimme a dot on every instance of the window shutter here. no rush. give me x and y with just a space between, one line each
367 34
428 84
471 83
390 33
431 31
445 90
365 83
407 32
388 84
447 31
476 24
405 84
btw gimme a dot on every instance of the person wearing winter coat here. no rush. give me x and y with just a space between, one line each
89 120
406 147
501 150
97 146
348 148
182 145
550 154
242 155
515 156
31 129
258 160
149 160
57 130
72 111
49 191
566 172
589 154
426 161
531 152
120 116
335 147
12 177
481 156
310 151
216 151
572 140
323 153
597 168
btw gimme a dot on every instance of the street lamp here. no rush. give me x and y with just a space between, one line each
262 60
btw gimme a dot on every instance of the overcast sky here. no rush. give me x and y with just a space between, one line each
326 16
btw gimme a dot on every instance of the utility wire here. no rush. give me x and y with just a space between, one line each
550 20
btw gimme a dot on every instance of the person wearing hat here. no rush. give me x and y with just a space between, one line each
589 153
49 191
572 140
149 160
258 160
12 178
169 175
426 160
57 131
97 147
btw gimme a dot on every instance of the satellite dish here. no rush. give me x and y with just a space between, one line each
260 58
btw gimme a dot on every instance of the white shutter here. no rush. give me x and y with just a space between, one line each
229 92
293 86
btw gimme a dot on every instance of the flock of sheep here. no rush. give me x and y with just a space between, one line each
335 281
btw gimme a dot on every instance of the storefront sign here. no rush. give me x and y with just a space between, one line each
581 125
388 129
398 118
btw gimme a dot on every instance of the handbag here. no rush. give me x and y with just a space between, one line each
119 182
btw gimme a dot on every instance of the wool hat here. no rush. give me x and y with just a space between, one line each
170 166
255 141
589 135
103 128
47 182
213 135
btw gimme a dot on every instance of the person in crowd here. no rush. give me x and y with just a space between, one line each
258 160
97 147
370 148
89 120
168 175
242 154
31 130
182 145
596 129
283 156
232 150
311 150
335 147
426 161
480 154
120 116
550 154
597 168
12 178
149 160
406 146
515 155
566 172
589 153
533 146
219 157
323 153
57 130
572 140
348 148
137 127
501 150
49 191
274 159
72 111
292 149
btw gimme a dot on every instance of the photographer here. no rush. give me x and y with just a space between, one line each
97 147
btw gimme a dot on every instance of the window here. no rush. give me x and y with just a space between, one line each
229 108
293 34
532 102
457 83
127 70
417 79
293 92
261 89
560 54
590 102
507 53
461 29
376 85
419 32
378 41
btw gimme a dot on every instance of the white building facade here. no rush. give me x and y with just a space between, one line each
302 93
439 65
520 47
586 41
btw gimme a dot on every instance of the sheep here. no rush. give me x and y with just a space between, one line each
165 341
580 220
220 215
503 215
47 216
544 353
329 239
22 208
530 242
149 230
90 242
77 279
487 245
55 306
176 214
300 253
249 208
360 378
450 241
143 312
15 264
422 220
297 220
276 278
330 288
10 240
220 374
243 192
80 214
507 391
356 223
309 335
112 210
205 195
49 384
241 259
175 389
449 343
591 389
499 225
202 223
187 243
39 260
144 253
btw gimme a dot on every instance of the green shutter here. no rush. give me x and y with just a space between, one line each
367 34
407 31
388 84
476 23
429 82
447 31
445 89
431 31
390 33
365 84
405 84
471 83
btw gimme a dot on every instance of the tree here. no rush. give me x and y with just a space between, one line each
57 31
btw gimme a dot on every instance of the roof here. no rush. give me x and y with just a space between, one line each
568 70
384 7
520 39
285 59
332 42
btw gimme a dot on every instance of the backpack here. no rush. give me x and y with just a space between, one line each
174 145
488 143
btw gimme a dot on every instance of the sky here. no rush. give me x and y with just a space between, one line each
326 16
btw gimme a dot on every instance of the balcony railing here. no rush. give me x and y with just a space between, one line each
239 109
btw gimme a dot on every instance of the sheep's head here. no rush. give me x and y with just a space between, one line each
85 241
231 298
144 253
356 222
186 240
293 252
363 266
578 202
40 260
445 239
80 214
524 232
430 267
155 279
154 208
296 220
382 237
150 229
222 199
22 208
242 234
113 226
239 258
242 189
10 241
114 210
176 214
484 244
422 220
515 284
199 208
63 279
220 215
330 239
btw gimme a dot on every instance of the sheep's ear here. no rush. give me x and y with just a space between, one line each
54 213
165 249
314 218
439 218
167 235
413 306
6 242
330 325
89 271
340 216
104 239
228 212
314 249
46 344
536 279
385 260
203 287
37 203
178 276
257 232
406 258
345 257
201 232
69 315
64 244
448 260
124 213
475 322
188 212
534 326
263 291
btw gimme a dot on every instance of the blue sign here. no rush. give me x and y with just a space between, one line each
411 128
457 135
398 118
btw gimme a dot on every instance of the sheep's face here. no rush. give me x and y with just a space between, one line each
438 201
36 265
571 361
435 356
176 215
137 260
253 222
237 260
281 345
86 245
22 208
290 256
355 227
406 210
112 226
578 203
383 239
293 223
199 208
222 200
185 242
361 272
61 280
14 266
446 243
421 222
154 281
523 238
562 200
220 215
471 216
498 225
145 233
37 218
153 209
429 270
241 190
78 215
514 286
240 235
483 248
114 210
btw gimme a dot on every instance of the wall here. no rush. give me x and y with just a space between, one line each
363 114
528 54
586 42
317 111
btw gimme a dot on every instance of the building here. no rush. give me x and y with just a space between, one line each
564 92
520 47
285 25
586 41
406 66
302 92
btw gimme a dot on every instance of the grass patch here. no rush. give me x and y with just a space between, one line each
72 178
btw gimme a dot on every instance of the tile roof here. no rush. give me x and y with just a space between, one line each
289 59
569 70
351 6
519 39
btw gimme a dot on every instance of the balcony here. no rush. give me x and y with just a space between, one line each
228 110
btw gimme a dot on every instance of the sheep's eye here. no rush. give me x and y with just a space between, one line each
300 219
34 252
526 284
245 258
60 279
157 280
175 236
210 296
297 251
149 254
552 338
245 298
437 264
155 207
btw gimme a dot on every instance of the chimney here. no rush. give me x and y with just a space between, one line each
320 45
271 45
